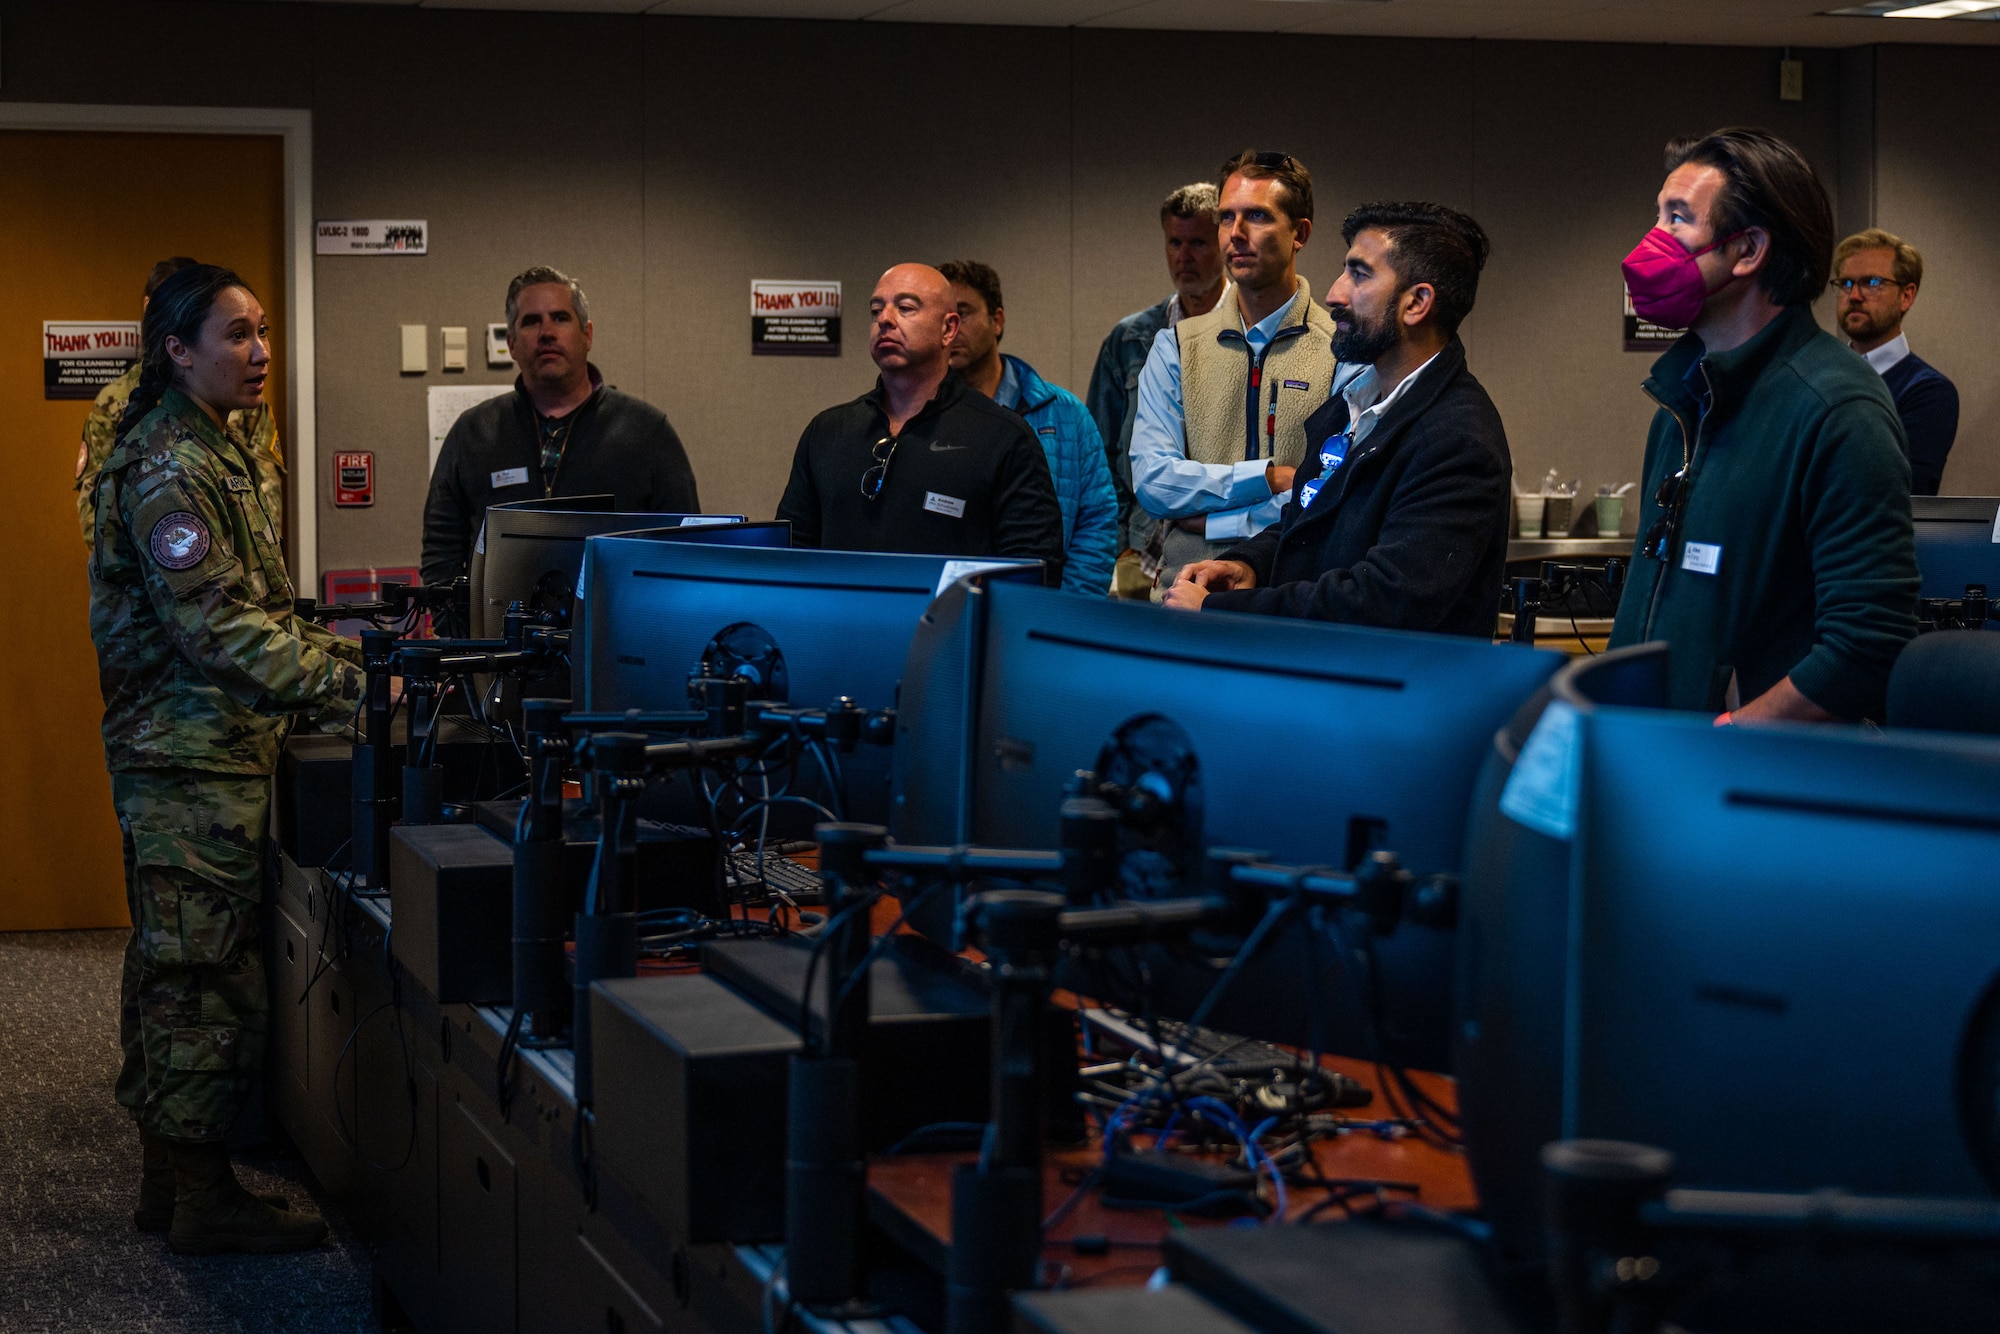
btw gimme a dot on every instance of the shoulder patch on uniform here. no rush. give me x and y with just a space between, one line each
180 540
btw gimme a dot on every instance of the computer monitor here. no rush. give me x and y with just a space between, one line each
1784 954
1958 543
1312 742
1507 1049
805 626
530 551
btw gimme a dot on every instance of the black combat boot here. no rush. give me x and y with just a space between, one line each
213 1214
156 1187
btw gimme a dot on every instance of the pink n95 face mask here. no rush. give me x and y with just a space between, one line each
1664 280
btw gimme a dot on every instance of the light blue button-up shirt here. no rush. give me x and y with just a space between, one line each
1234 496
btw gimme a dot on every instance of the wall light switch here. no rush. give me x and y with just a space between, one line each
454 347
416 353
1791 81
496 346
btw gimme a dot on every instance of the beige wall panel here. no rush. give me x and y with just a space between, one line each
1569 140
1937 185
518 138
818 150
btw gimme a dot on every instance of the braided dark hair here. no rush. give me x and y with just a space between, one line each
178 309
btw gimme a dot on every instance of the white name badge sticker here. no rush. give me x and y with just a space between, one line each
509 477
954 570
1541 792
1701 557
949 506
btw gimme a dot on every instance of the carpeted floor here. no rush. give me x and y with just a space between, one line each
70 1258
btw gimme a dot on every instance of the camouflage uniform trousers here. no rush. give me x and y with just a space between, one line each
193 999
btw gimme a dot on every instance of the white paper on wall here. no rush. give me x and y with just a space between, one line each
447 401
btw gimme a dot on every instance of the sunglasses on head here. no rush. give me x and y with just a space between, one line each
1275 161
872 480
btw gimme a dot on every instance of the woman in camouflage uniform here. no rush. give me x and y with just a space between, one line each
203 666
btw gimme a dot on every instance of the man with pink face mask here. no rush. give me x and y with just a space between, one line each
1775 552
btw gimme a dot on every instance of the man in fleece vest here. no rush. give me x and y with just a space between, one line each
1224 397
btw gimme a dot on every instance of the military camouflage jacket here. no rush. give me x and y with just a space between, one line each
198 653
255 434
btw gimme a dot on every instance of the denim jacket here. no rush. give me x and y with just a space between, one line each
1114 403
1082 475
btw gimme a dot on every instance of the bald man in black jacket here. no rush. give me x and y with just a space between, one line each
1398 516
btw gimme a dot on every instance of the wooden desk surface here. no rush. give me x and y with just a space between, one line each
910 1195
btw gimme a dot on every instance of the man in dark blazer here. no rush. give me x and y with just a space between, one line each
1400 520
1876 275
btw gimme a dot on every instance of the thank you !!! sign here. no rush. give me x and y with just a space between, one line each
794 318
80 357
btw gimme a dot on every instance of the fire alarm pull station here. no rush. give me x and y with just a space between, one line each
354 478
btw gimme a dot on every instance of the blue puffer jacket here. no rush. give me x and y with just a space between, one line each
1082 476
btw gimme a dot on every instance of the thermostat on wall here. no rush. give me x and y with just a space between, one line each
354 478
496 346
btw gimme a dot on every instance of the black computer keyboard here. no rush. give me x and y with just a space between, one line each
782 874
1185 1046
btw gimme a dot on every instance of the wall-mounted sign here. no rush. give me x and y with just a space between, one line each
372 236
794 318
1644 335
80 357
354 478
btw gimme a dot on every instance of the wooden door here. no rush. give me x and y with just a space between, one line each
83 218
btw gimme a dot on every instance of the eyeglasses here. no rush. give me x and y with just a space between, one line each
1276 161
1871 283
872 480
1672 494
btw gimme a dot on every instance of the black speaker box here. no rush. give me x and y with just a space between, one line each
677 865
929 1034
451 890
689 1084
316 782
451 902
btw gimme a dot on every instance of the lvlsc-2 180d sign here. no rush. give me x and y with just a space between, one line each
794 318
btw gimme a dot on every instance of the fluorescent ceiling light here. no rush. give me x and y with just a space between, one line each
1985 11
1944 9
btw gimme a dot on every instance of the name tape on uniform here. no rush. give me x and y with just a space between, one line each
949 506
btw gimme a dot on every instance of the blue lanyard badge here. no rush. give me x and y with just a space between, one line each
1331 455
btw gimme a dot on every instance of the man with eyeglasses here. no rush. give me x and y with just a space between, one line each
921 463
1776 555
1224 396
1876 275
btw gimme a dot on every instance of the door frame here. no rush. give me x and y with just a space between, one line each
293 125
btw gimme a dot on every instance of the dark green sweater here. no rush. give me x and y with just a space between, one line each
1797 474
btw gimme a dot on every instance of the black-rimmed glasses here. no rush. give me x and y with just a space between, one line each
1671 495
1872 283
872 480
